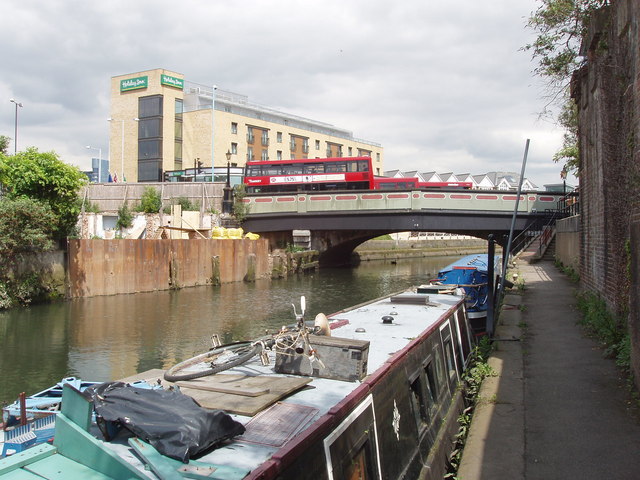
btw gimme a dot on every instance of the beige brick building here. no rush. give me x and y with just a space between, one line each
161 122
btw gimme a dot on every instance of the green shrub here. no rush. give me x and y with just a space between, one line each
125 217
611 331
151 201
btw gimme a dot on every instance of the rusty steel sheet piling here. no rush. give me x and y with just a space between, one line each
109 267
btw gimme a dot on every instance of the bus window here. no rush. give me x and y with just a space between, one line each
336 167
363 166
272 170
254 171
314 168
293 169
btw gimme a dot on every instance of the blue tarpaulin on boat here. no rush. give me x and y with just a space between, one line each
170 421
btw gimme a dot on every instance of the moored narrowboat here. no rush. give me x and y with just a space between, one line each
369 392
471 274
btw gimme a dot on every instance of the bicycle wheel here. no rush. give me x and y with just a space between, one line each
214 361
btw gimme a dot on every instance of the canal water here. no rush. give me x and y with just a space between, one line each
107 338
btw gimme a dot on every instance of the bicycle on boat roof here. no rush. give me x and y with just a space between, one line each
291 340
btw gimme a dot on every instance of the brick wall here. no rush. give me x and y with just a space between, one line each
607 91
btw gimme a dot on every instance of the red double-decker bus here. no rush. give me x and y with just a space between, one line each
312 174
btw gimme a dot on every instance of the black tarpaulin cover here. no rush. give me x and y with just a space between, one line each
170 421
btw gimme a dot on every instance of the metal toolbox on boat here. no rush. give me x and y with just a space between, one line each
342 359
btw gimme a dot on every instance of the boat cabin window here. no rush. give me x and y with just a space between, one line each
465 335
352 447
449 355
360 466
419 401
439 371
431 388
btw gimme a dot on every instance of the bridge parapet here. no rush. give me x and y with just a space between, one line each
480 200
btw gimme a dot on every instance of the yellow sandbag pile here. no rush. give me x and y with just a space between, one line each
232 233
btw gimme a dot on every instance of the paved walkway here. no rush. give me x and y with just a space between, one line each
557 409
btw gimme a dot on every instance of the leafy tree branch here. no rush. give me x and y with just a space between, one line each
560 26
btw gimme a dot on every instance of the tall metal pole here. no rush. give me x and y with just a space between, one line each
491 251
505 259
15 139
122 155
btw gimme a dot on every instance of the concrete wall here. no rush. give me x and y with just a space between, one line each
607 92
109 197
50 267
568 236
108 267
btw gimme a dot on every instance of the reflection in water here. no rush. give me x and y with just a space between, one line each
106 338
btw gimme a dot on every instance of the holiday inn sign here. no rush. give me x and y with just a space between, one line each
134 83
170 81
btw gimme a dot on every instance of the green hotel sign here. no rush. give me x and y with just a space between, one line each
170 81
134 83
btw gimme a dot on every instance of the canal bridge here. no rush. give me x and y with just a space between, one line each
339 221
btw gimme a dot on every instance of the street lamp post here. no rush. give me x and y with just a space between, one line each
15 139
122 145
563 175
227 198
99 161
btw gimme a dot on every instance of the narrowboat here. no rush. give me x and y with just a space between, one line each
368 392
471 274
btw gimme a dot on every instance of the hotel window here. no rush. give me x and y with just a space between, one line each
279 137
234 148
317 144
150 134
350 152
305 145
250 154
265 138
279 154
265 155
250 136
234 127
150 106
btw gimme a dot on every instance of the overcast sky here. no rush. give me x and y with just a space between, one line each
443 86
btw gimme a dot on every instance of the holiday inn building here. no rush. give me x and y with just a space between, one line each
161 122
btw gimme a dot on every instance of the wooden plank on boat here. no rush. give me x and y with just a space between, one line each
235 388
150 376
278 387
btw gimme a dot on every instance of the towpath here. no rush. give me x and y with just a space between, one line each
557 408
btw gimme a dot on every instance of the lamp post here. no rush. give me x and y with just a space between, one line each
122 145
227 198
15 139
99 161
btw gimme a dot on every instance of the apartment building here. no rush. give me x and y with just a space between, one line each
161 122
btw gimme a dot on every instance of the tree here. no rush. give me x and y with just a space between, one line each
561 25
125 218
26 226
4 144
150 202
47 179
